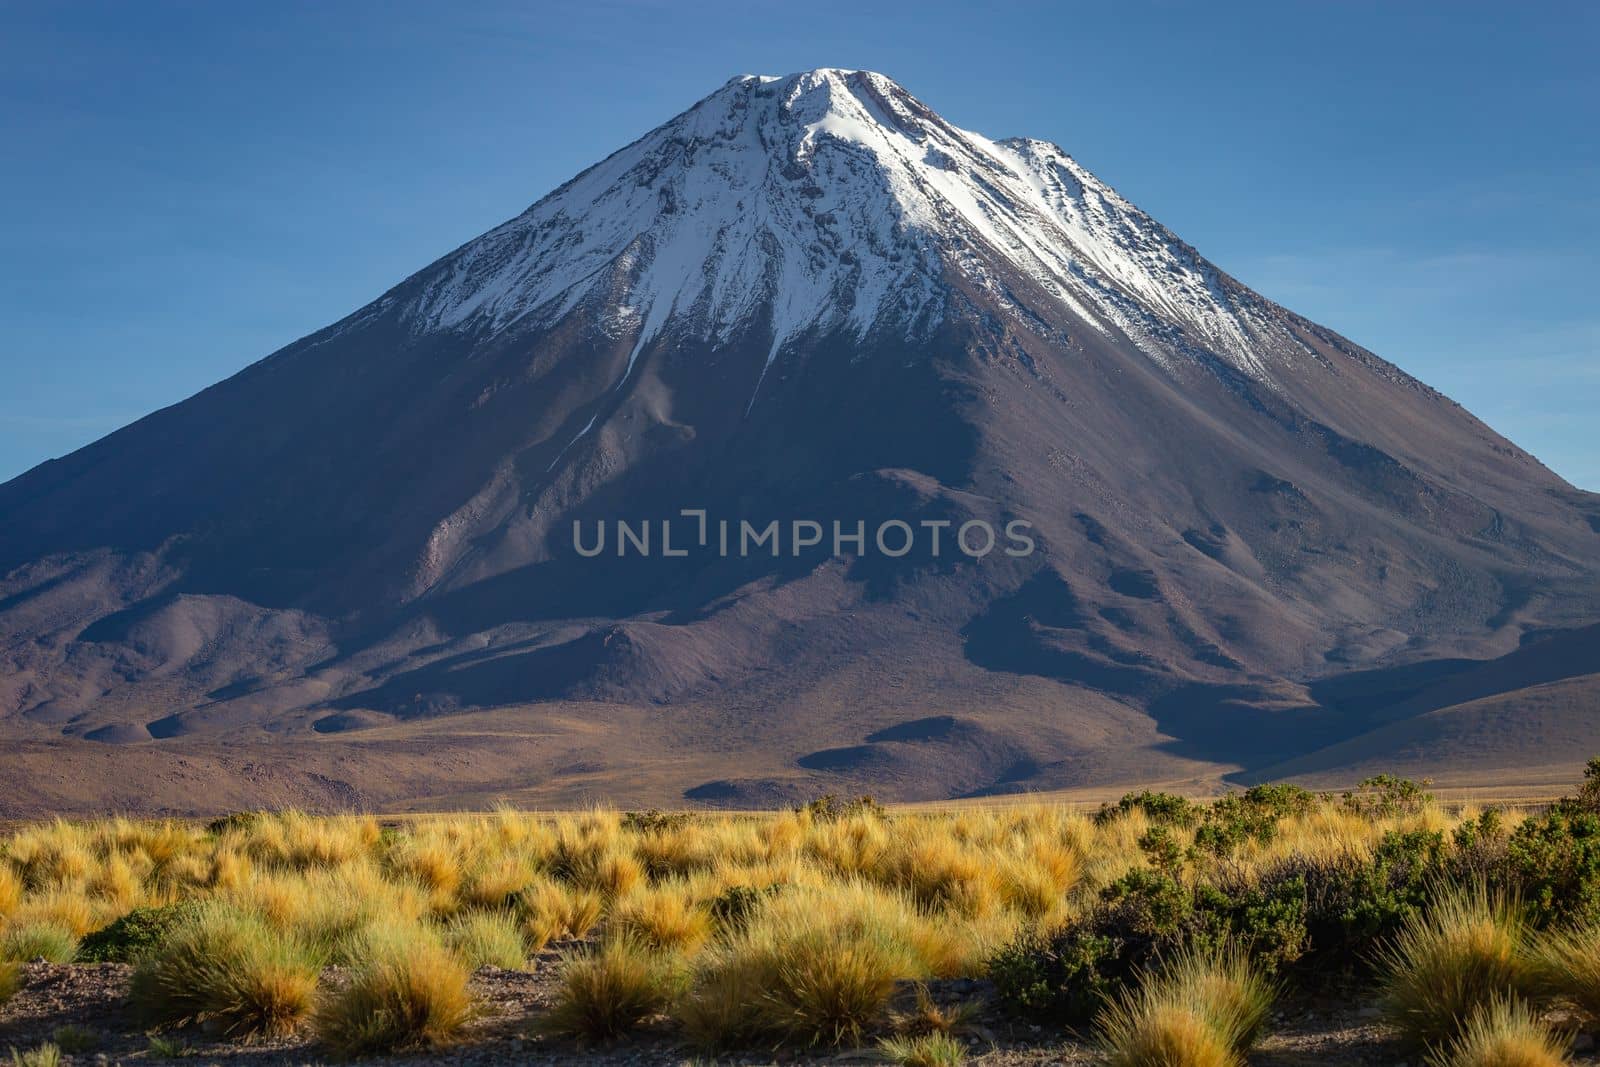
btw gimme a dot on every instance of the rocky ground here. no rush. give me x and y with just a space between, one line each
92 998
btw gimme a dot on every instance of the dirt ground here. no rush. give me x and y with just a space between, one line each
1306 1033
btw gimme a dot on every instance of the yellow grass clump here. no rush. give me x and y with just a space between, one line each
1505 1032
406 990
663 920
224 967
1453 959
609 991
1568 963
1200 1008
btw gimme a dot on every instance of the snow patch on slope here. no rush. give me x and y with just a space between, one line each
834 199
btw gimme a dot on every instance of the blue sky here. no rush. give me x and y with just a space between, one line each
186 187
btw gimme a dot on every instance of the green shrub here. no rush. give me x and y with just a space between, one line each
1554 862
240 821
1480 852
830 807
229 969
733 907
655 821
1070 975
1252 815
1159 808
1352 905
133 935
1387 796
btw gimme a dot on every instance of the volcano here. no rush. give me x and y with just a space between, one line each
361 571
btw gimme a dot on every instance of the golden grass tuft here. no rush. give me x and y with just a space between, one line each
407 990
663 920
925 1050
26 942
1568 963
941 874
813 966
10 892
611 990
495 882
10 980
1156 1023
45 1055
1452 959
1149 1031
74 912
228 969
1505 1032
550 910
492 939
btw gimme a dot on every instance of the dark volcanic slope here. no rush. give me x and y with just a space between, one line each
805 298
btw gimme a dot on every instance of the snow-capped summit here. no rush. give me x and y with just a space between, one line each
836 198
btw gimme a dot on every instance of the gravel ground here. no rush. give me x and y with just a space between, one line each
1331 1033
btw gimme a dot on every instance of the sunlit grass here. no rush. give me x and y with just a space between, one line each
797 928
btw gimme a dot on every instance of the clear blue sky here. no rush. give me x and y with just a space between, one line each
186 187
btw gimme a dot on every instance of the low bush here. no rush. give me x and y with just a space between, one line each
1069 975
1553 860
407 990
1159 808
1354 905
831 807
655 821
1253 815
732 908
1387 796
227 968
133 935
